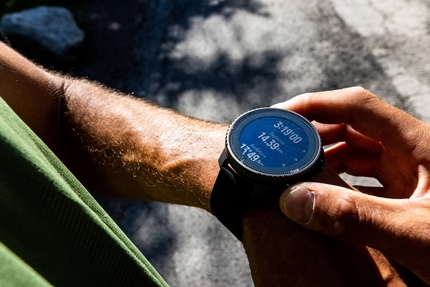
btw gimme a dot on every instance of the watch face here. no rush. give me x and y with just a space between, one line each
274 143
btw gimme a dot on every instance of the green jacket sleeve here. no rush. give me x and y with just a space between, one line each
52 230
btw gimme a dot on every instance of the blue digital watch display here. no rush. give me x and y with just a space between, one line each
273 146
266 150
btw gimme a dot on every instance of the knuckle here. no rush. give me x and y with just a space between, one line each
307 99
358 90
349 219
363 94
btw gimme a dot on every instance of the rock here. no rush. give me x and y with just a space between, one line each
48 35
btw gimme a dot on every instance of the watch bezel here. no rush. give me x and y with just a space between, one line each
311 163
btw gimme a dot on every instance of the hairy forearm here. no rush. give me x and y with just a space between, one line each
134 149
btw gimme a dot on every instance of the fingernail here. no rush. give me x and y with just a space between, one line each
299 204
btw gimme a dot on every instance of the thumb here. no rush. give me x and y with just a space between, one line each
346 214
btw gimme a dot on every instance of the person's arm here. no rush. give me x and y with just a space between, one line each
125 147
148 152
142 151
137 150
115 144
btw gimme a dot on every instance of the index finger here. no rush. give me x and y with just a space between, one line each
355 106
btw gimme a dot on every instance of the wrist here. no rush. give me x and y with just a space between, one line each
193 165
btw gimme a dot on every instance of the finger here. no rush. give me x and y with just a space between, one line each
356 107
334 133
371 190
354 161
384 224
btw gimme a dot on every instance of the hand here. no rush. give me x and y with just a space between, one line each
375 140
283 253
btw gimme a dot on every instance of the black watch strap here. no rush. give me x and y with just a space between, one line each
229 198
232 194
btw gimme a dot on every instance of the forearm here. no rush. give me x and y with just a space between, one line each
134 149
115 144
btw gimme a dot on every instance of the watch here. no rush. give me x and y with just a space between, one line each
266 150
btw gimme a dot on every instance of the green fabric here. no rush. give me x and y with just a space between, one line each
51 229
15 272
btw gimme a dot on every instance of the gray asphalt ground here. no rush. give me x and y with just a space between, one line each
215 59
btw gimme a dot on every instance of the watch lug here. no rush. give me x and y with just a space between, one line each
223 158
